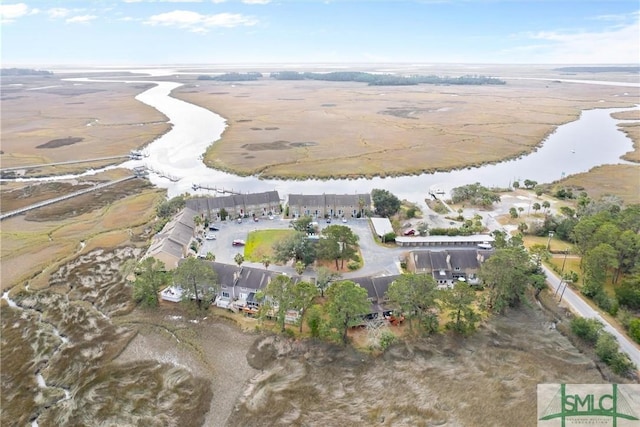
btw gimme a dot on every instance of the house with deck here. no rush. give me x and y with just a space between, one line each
449 266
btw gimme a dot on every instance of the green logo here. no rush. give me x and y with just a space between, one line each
588 404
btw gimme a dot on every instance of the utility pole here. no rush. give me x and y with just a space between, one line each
566 251
549 240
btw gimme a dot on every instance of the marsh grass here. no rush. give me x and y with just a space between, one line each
31 250
431 129
66 334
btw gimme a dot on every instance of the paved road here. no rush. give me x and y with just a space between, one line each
580 307
377 260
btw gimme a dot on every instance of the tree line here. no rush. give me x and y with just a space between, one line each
387 79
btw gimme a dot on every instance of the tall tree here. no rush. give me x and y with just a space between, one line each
346 240
279 298
346 304
459 301
301 224
151 278
295 246
384 203
303 295
414 296
198 281
324 277
506 273
595 265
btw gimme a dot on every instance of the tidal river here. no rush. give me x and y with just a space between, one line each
575 147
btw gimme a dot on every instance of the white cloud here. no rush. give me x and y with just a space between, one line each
199 23
256 1
617 44
11 12
58 12
81 19
162 1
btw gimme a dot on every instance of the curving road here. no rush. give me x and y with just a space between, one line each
580 307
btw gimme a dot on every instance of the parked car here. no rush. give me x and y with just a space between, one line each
344 219
255 219
239 220
238 242
410 232
210 236
213 228
328 220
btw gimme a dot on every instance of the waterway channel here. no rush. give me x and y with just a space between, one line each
592 140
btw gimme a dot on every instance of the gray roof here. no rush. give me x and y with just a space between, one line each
204 204
306 200
186 217
439 260
227 273
464 258
329 200
171 247
422 259
268 197
181 233
376 286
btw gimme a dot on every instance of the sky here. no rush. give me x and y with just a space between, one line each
172 32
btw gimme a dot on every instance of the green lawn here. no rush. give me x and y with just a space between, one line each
260 243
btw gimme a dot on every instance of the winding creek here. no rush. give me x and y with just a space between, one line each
592 140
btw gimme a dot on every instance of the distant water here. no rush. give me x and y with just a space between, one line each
575 147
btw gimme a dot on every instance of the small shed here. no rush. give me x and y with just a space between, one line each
381 226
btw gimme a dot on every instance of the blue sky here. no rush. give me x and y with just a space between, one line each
124 32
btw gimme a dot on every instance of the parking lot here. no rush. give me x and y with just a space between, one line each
377 259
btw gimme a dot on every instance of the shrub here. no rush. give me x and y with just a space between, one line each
634 330
353 265
386 339
587 329
605 302
389 237
314 320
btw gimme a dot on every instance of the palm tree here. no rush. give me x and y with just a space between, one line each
239 259
266 261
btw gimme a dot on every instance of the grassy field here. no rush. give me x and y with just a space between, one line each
260 243
104 119
345 129
38 242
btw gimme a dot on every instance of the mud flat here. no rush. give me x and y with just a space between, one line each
207 347
487 379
